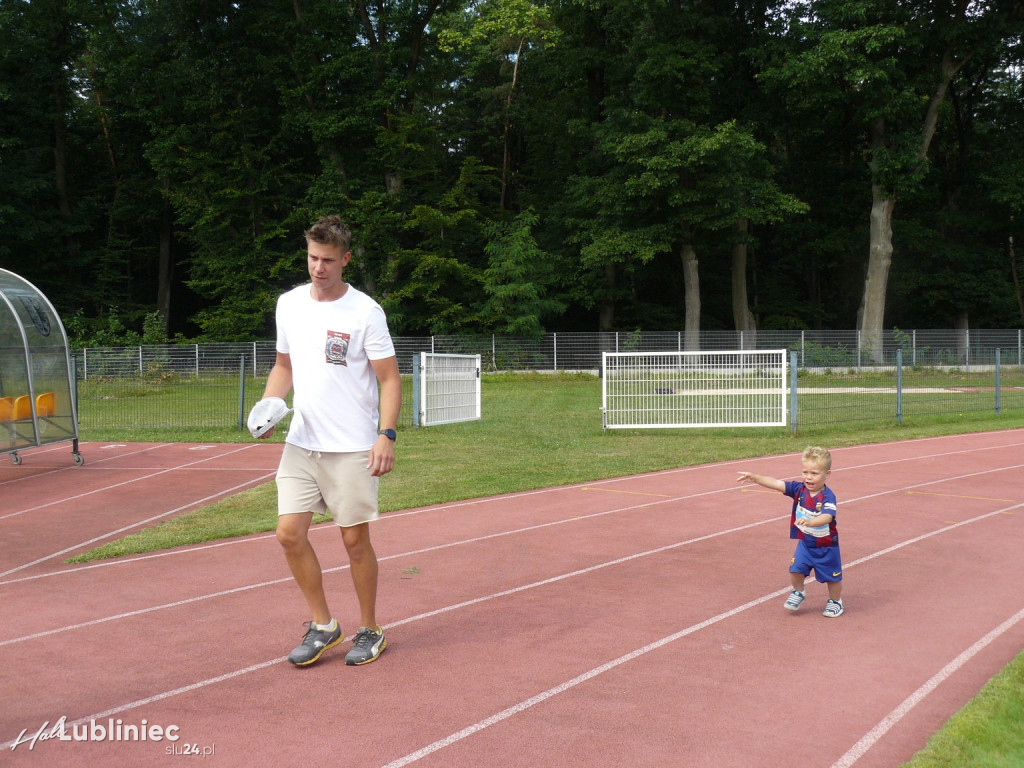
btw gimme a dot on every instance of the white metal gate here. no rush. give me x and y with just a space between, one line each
446 388
735 388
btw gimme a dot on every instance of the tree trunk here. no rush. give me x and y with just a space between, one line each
506 161
877 279
883 202
1016 279
691 284
166 267
606 313
741 314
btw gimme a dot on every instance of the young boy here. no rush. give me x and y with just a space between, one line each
813 524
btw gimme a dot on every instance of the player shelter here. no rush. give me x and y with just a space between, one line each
37 406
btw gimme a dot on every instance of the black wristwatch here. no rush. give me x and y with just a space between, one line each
390 434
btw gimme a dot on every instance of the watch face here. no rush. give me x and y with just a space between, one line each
390 434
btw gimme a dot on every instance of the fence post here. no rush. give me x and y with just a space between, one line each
792 393
415 390
74 387
241 391
998 379
554 345
899 385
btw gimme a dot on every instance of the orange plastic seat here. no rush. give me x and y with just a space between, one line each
46 405
6 409
22 408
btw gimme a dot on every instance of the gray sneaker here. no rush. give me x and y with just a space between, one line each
794 600
367 646
313 645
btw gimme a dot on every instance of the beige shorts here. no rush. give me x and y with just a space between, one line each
310 481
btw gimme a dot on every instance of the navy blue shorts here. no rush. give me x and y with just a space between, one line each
825 561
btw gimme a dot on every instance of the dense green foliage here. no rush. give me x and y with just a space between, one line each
513 166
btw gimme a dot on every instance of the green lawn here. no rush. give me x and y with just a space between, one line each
540 430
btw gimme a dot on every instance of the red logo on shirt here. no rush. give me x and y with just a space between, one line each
337 348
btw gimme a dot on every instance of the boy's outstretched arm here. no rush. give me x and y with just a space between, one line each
768 482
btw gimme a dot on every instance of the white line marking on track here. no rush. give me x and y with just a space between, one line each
498 717
164 471
391 516
589 675
126 528
522 706
435 548
160 696
872 737
569 684
448 545
91 465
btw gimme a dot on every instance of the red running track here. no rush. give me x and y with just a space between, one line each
636 620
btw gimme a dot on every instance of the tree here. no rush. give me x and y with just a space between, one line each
518 280
502 31
668 175
42 213
230 165
893 61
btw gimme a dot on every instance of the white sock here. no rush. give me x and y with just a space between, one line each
327 627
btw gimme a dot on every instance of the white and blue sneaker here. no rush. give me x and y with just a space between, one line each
833 608
794 600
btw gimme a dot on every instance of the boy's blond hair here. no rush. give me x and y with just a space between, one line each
819 456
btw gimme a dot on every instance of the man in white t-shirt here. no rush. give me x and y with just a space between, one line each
334 349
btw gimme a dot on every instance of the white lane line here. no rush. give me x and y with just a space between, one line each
522 706
102 489
872 737
562 687
92 465
437 547
391 516
137 524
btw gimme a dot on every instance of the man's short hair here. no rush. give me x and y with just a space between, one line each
330 230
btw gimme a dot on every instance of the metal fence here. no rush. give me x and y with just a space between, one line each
212 386
582 351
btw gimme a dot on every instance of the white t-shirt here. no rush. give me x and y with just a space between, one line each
331 344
